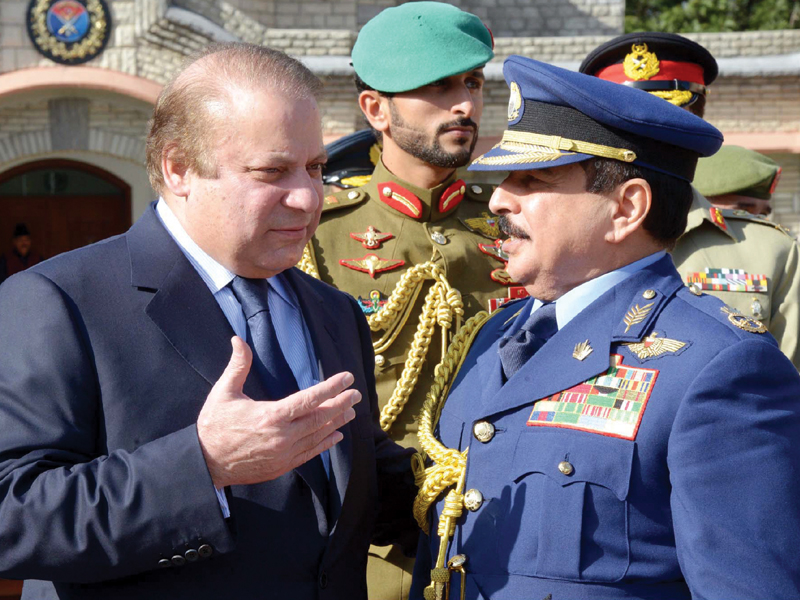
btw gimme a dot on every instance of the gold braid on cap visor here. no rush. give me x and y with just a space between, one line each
534 147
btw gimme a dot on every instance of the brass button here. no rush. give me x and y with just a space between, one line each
473 500
483 431
695 289
438 237
476 189
649 294
387 191
352 195
566 468
380 360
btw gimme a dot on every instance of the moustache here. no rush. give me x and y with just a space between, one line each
510 229
463 122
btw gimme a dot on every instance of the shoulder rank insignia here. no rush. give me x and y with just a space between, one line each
375 303
611 403
400 199
452 196
371 239
653 346
636 315
742 321
514 101
727 280
640 64
486 225
717 218
371 264
494 250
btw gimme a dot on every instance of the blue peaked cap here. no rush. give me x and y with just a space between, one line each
557 117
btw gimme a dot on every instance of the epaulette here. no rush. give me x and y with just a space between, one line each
736 213
344 199
480 192
723 313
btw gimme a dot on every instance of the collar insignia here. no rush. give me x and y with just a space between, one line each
400 199
371 239
641 64
717 218
67 31
374 304
372 264
486 225
636 315
582 350
742 321
452 196
653 346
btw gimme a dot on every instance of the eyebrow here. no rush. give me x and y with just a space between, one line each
478 73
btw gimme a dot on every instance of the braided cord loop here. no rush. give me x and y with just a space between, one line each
443 307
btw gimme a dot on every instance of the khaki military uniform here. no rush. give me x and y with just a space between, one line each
430 235
737 240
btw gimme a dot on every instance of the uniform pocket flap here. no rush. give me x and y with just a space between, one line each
568 457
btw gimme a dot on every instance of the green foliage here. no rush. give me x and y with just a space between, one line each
711 15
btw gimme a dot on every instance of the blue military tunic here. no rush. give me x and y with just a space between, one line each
651 449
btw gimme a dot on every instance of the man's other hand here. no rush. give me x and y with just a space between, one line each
246 442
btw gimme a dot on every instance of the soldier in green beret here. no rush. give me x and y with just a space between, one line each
750 263
738 178
416 244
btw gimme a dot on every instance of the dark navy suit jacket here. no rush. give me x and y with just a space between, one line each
683 475
107 354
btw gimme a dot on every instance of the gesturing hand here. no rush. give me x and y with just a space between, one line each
245 441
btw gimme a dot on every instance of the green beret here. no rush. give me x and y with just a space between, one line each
737 170
417 43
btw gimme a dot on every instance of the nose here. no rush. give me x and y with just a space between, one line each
305 194
464 102
502 201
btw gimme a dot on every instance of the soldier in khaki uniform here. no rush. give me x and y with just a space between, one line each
747 261
415 245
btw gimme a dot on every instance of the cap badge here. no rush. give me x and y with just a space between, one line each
371 239
641 64
514 102
653 346
372 264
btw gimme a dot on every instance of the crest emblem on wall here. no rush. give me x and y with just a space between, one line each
69 32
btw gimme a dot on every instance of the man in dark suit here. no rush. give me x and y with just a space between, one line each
133 462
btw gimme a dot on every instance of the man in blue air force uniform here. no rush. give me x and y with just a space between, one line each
615 435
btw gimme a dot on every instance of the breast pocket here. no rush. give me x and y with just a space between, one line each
568 509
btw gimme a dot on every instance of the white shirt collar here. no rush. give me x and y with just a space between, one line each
577 299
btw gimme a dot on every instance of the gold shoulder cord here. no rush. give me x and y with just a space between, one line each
442 306
449 466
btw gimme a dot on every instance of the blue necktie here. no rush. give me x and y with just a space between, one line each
518 349
269 360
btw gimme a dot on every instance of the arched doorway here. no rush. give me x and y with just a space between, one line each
66 204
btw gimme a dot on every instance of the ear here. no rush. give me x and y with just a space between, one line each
177 176
632 200
375 109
